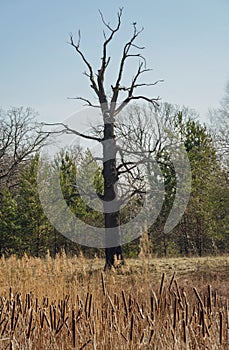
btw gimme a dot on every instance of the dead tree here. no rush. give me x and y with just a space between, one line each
110 108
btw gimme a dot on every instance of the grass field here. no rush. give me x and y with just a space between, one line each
70 303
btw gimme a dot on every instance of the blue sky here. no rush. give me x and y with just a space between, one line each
187 45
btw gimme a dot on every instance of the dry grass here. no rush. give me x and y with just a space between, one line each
71 304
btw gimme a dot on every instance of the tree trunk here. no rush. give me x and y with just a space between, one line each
111 206
112 238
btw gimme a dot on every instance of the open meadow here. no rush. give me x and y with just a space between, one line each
70 303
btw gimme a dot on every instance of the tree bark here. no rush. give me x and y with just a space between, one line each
115 252
111 206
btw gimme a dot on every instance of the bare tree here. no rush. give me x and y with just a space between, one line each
151 138
110 107
219 119
20 137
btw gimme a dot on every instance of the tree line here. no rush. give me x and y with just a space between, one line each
202 229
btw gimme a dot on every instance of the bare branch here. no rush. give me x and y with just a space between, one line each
127 169
139 72
85 100
108 24
151 100
154 101
91 73
125 55
124 164
136 46
72 131
134 83
20 138
132 194
86 74
139 56
105 61
123 88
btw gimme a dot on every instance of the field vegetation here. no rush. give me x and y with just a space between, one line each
70 303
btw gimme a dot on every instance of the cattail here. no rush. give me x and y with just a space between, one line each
131 327
84 346
184 332
221 327
162 284
73 329
175 313
30 324
171 282
89 307
103 284
124 302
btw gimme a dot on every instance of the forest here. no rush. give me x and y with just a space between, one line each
202 230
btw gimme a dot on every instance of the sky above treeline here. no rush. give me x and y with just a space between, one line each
186 45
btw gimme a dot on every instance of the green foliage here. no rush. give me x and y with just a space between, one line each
197 230
35 230
9 240
202 230
81 180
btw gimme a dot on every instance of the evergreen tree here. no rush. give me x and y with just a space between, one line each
197 228
36 233
10 241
